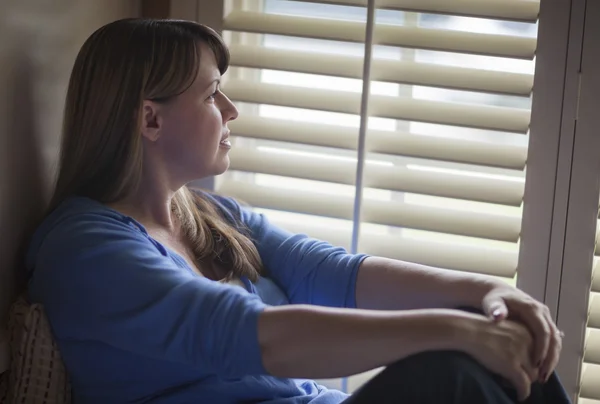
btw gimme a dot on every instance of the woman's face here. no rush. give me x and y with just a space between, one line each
192 128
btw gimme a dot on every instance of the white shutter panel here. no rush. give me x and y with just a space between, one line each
590 371
429 167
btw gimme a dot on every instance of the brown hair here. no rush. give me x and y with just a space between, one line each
119 66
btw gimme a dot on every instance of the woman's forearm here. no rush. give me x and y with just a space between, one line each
386 284
315 342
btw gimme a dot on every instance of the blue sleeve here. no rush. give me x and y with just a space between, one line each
101 280
310 271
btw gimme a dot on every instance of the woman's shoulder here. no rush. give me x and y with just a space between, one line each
78 215
78 221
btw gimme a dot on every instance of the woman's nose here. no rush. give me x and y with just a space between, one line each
228 110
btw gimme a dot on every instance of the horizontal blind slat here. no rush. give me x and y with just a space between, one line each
402 72
447 185
592 346
302 132
596 275
286 165
273 94
445 113
378 141
402 108
391 35
317 28
451 256
456 41
447 221
594 312
383 177
597 245
460 258
590 381
443 220
447 149
513 10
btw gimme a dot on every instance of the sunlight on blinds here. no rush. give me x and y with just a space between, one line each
439 176
446 143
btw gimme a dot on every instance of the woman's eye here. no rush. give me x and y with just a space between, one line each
213 95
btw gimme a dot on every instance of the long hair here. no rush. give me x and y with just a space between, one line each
118 67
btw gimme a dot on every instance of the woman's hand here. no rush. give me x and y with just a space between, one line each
505 301
503 348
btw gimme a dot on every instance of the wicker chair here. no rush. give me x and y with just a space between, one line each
37 373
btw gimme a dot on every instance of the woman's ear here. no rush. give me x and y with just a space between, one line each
151 121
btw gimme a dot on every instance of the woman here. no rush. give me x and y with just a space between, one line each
159 294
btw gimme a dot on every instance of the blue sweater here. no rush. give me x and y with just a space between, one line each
134 323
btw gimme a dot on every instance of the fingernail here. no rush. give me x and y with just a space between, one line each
497 313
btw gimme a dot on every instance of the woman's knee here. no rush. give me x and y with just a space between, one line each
435 377
441 369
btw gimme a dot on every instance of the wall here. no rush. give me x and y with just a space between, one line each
38 44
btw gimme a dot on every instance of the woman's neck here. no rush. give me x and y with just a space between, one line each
148 213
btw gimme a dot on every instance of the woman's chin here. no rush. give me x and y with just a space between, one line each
222 166
218 167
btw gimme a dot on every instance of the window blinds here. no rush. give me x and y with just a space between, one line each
429 167
590 372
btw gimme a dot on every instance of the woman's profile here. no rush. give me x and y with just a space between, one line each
157 293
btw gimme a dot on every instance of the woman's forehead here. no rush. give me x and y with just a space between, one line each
208 71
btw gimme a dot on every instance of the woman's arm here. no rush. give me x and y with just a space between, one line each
313 272
317 342
101 280
387 284
309 271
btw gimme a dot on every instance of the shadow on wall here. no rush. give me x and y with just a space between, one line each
38 44
21 188
21 179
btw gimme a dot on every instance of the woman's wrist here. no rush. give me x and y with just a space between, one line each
440 329
473 288
467 331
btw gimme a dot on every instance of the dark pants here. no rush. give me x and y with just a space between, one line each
448 378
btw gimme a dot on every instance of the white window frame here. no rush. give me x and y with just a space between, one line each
580 187
546 214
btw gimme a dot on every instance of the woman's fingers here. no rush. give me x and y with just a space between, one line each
547 339
536 318
532 371
522 371
521 382
495 307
